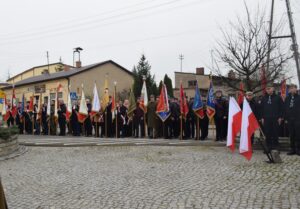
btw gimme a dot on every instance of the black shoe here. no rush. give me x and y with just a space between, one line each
292 153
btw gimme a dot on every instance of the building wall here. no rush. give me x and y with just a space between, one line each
98 74
35 72
203 84
29 90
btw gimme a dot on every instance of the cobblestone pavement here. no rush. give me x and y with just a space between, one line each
148 177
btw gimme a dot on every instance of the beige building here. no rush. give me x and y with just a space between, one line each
189 83
39 70
45 85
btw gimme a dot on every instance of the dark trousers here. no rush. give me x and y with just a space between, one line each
187 128
88 128
221 125
271 128
62 126
203 123
294 130
192 128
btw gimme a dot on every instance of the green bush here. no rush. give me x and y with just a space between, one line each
5 133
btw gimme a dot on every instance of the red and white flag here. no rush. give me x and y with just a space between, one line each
83 110
5 111
69 107
249 126
14 110
96 102
144 97
234 122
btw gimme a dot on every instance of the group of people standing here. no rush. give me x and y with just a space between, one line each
271 110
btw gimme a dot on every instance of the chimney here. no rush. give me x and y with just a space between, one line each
78 64
200 71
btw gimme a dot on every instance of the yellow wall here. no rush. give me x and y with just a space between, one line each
35 72
28 90
88 78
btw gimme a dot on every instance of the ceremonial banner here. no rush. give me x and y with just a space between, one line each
210 111
144 98
241 94
198 104
184 108
162 109
96 102
132 104
83 110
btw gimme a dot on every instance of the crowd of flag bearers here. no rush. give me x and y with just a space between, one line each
164 117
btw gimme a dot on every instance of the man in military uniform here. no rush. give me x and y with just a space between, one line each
271 117
151 114
88 127
138 120
192 118
221 115
292 117
62 118
44 119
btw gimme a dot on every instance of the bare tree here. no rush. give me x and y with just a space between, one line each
244 50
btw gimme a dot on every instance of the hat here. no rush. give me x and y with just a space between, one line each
270 85
249 93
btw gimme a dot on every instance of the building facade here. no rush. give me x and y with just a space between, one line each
45 86
189 81
39 70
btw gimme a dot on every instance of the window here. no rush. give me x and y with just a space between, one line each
45 71
192 83
60 95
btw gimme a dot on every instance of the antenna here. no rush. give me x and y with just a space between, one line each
181 57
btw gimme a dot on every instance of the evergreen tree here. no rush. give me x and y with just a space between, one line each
143 69
168 83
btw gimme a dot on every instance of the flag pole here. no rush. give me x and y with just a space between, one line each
40 112
266 150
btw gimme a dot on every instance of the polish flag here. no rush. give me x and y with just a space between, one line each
249 125
14 110
83 110
5 112
234 122
69 107
96 102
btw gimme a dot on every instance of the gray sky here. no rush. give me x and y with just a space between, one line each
119 30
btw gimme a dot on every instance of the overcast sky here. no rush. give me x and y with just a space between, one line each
119 30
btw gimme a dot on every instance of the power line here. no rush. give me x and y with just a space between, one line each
103 25
95 21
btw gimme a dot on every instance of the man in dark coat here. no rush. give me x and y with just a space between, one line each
292 117
75 126
123 121
44 119
203 124
221 115
271 117
88 126
151 114
138 120
62 118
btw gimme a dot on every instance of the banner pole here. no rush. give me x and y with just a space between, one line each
266 150
105 122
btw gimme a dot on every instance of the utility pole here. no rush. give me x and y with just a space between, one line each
181 57
48 60
270 35
294 40
292 36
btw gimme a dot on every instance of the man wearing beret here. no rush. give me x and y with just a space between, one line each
292 117
271 117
